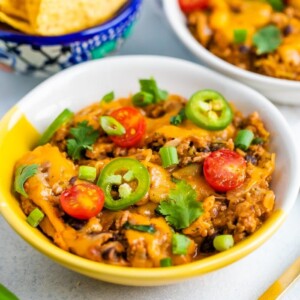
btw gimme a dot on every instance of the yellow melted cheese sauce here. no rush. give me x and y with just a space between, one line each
144 249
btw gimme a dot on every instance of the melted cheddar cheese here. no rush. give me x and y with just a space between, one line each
103 238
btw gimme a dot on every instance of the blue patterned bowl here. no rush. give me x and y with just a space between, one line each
42 56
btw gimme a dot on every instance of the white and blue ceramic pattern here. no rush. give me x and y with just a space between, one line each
43 56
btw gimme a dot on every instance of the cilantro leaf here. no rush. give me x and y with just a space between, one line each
267 39
84 137
178 119
24 172
182 208
108 97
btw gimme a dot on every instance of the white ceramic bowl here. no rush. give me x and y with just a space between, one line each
86 83
278 90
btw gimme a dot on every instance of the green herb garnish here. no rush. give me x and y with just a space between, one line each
125 190
166 262
35 217
277 5
142 99
149 93
108 97
84 137
87 173
142 228
169 156
257 141
223 242
239 36
182 208
267 39
180 244
22 174
243 139
111 126
179 118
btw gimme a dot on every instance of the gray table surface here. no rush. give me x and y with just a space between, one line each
33 276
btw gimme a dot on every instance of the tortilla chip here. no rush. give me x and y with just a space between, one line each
14 8
16 23
32 8
61 17
56 17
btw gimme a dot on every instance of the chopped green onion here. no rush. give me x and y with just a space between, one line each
128 176
125 190
169 156
150 86
87 173
243 139
114 179
142 228
239 36
23 173
277 5
142 99
65 116
108 97
35 217
178 119
6 294
111 126
166 262
223 242
257 141
180 243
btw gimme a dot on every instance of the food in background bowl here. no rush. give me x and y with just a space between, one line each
259 36
152 180
279 90
78 87
59 47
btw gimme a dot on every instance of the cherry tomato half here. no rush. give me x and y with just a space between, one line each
82 201
134 124
190 5
224 170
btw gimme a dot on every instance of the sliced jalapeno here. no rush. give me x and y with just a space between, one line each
140 182
64 117
209 110
6 294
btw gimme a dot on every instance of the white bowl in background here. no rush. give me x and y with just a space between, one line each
278 90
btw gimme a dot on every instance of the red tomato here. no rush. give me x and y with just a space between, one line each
224 170
134 124
190 5
82 201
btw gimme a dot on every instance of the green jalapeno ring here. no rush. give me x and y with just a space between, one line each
208 109
141 174
64 117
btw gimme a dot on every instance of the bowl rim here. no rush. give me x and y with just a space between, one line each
157 276
172 9
125 12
